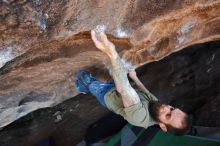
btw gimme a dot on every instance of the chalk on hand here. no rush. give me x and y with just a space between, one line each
100 28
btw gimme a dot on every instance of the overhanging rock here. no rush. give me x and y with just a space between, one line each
43 43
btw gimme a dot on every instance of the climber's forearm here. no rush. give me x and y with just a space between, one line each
139 84
129 95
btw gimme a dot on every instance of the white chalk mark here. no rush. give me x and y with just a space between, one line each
6 1
121 33
100 28
187 27
8 53
213 57
42 21
182 34
5 55
209 70
181 38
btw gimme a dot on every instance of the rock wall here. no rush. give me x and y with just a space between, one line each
189 79
43 43
64 124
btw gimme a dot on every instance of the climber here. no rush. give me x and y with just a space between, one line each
138 107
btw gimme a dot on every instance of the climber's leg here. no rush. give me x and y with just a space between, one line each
85 83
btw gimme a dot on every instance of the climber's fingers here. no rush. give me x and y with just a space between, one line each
98 44
104 38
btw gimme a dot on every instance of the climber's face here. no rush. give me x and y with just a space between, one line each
170 116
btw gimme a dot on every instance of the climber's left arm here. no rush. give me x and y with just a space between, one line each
132 74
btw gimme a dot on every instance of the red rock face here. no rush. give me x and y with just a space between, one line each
43 43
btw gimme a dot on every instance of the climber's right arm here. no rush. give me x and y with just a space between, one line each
119 73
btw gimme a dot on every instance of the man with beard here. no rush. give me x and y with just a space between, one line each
140 108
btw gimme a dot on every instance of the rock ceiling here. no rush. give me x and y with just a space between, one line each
43 43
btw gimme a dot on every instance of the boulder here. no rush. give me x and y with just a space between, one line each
44 43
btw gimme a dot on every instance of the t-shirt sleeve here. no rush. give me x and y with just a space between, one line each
148 95
138 115
151 96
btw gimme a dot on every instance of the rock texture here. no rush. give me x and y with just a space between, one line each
43 43
188 78
64 124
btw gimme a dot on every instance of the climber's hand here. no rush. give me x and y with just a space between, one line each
102 43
